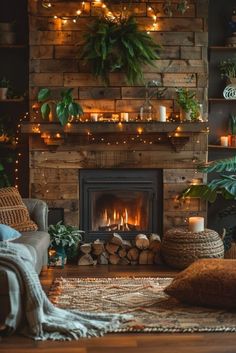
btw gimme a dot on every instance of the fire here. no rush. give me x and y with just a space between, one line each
122 219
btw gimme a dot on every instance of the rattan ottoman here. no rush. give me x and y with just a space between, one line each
180 247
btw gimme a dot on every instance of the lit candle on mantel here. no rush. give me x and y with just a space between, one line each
224 141
196 224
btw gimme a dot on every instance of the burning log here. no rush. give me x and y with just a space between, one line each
141 241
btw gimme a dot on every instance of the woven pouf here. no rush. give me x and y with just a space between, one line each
180 247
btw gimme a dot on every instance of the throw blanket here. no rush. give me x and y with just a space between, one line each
44 320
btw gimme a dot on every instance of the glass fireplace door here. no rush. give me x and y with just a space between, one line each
123 201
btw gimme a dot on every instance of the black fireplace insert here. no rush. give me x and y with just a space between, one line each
124 201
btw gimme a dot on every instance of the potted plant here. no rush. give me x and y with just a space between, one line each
190 108
65 108
4 84
228 69
64 239
224 186
116 43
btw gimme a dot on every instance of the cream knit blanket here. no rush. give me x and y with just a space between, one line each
44 320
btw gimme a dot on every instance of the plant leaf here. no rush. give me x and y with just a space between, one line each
44 94
45 110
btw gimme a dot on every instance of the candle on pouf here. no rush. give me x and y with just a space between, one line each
196 224
162 113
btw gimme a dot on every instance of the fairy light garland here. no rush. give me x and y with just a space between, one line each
48 5
19 154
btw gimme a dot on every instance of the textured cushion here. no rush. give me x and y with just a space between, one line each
13 211
7 233
206 282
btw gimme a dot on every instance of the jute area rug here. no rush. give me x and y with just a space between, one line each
152 310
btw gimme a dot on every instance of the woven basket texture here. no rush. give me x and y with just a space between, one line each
180 247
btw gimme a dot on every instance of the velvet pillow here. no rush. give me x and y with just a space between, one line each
13 211
206 282
8 234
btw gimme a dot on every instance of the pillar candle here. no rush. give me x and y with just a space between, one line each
224 141
94 116
196 224
125 116
162 116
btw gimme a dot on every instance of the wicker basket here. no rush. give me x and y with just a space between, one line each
180 247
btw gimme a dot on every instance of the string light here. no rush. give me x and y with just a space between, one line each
19 154
48 5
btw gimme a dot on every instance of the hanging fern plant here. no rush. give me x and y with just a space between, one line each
116 43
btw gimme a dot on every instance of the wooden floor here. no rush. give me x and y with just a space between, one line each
125 343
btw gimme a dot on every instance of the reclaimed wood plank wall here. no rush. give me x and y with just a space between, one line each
54 50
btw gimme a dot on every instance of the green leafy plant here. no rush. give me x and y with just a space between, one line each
117 44
228 68
66 107
225 185
65 237
188 102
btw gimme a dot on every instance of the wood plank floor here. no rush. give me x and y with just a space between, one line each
125 343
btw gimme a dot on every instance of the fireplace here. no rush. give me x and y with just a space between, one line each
124 201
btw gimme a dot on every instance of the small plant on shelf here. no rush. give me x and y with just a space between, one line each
188 103
228 69
65 108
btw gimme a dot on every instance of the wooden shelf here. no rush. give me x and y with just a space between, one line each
13 46
12 100
221 100
221 48
110 127
222 147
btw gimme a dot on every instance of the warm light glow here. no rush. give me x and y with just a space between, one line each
140 130
78 12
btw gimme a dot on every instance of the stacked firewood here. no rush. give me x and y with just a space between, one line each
143 250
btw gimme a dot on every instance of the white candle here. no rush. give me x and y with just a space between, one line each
124 116
94 116
196 224
224 141
162 116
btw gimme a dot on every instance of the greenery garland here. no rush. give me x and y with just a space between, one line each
117 44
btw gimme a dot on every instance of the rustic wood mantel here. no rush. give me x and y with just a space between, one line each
116 127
